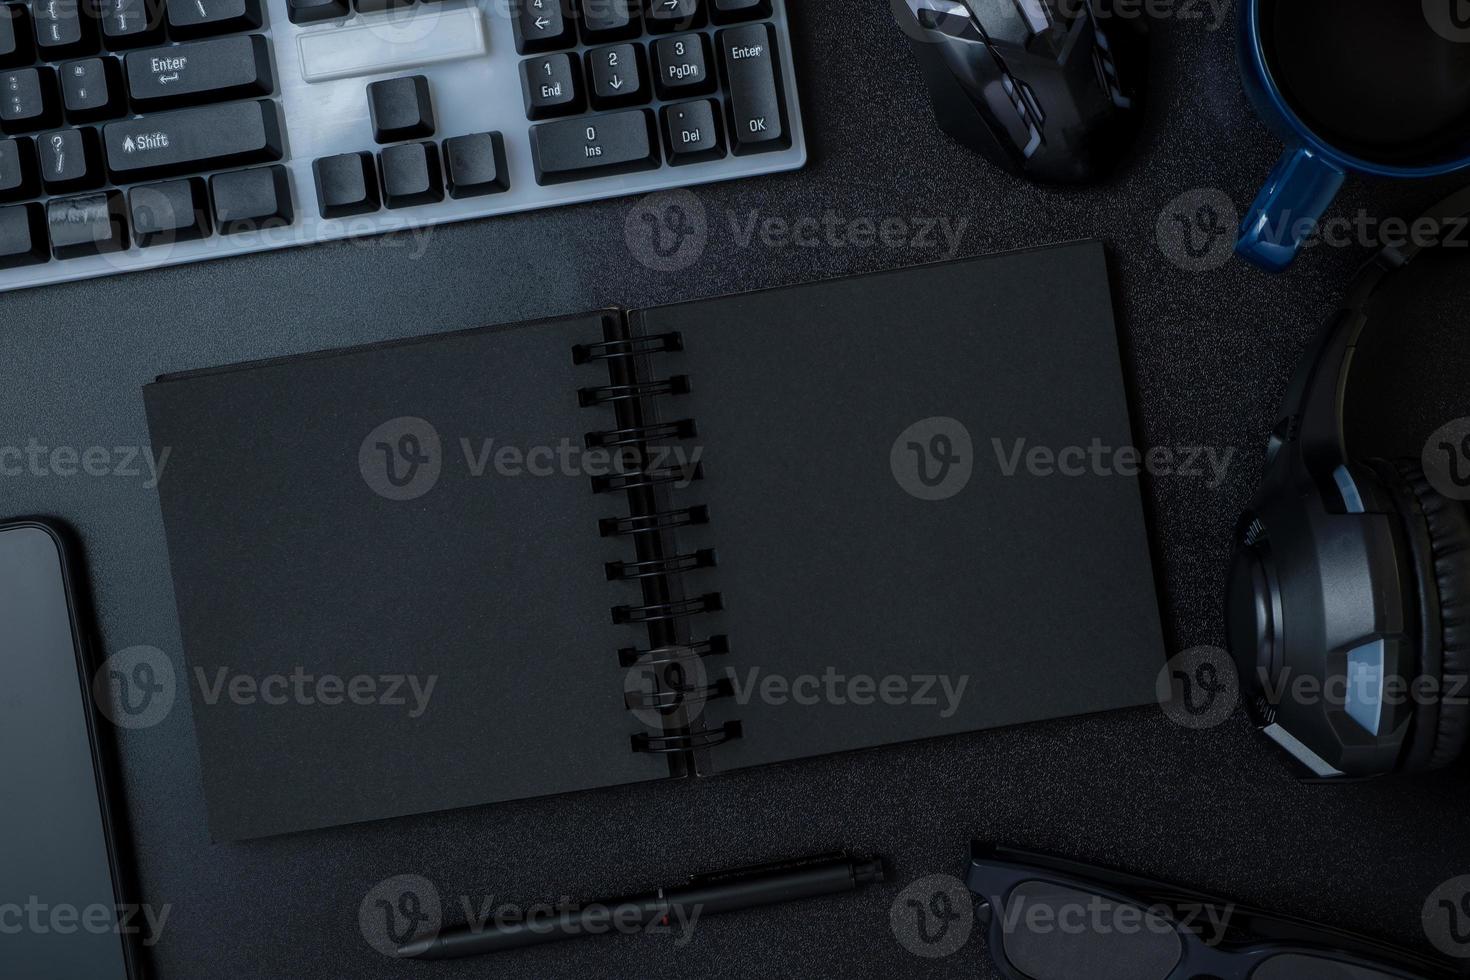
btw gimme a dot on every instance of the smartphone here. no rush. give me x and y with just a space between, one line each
62 896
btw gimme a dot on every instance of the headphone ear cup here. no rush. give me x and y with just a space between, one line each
1448 526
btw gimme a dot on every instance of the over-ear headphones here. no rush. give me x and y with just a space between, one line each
1348 608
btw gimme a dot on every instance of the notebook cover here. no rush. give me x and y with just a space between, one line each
469 605
867 602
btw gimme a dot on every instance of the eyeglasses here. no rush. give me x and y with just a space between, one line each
1052 919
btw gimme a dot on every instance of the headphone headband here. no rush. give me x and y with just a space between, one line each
1318 390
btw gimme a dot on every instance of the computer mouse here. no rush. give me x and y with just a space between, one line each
1047 89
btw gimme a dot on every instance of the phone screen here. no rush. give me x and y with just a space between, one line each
59 913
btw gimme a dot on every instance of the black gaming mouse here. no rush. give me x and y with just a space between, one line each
1047 89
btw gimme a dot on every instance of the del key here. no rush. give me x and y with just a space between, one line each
757 110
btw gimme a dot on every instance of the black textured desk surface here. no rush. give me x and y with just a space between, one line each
1208 353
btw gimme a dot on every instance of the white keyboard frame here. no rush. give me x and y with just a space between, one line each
473 92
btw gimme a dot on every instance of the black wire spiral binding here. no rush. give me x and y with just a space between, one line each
664 609
678 609
661 520
676 385
706 739
663 343
645 479
682 429
712 646
623 571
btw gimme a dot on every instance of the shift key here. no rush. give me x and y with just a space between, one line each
199 71
188 141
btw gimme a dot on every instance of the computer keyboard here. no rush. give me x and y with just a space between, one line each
141 133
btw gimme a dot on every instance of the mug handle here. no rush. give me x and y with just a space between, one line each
1287 210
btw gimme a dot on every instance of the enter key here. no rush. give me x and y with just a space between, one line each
755 105
199 71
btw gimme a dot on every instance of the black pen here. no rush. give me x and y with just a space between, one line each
724 891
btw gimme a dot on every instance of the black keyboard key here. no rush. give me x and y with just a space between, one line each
63 29
692 132
20 177
23 236
29 100
16 48
674 15
314 11
411 175
475 165
92 89
576 149
618 75
199 71
681 66
173 211
130 23
609 20
250 200
732 11
71 160
756 107
87 225
401 109
542 25
552 85
203 18
346 185
184 141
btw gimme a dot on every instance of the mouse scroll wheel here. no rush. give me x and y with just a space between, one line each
948 17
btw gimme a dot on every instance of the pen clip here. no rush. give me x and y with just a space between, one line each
774 867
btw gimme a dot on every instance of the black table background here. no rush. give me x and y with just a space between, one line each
1208 354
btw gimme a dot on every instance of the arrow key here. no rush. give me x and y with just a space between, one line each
675 15
401 109
346 185
619 76
543 25
609 20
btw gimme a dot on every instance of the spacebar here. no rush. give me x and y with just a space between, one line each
190 140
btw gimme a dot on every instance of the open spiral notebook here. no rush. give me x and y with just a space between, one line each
627 546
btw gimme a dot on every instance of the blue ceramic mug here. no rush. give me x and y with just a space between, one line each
1376 87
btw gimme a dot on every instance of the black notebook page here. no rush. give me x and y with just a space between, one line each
1034 592
285 555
